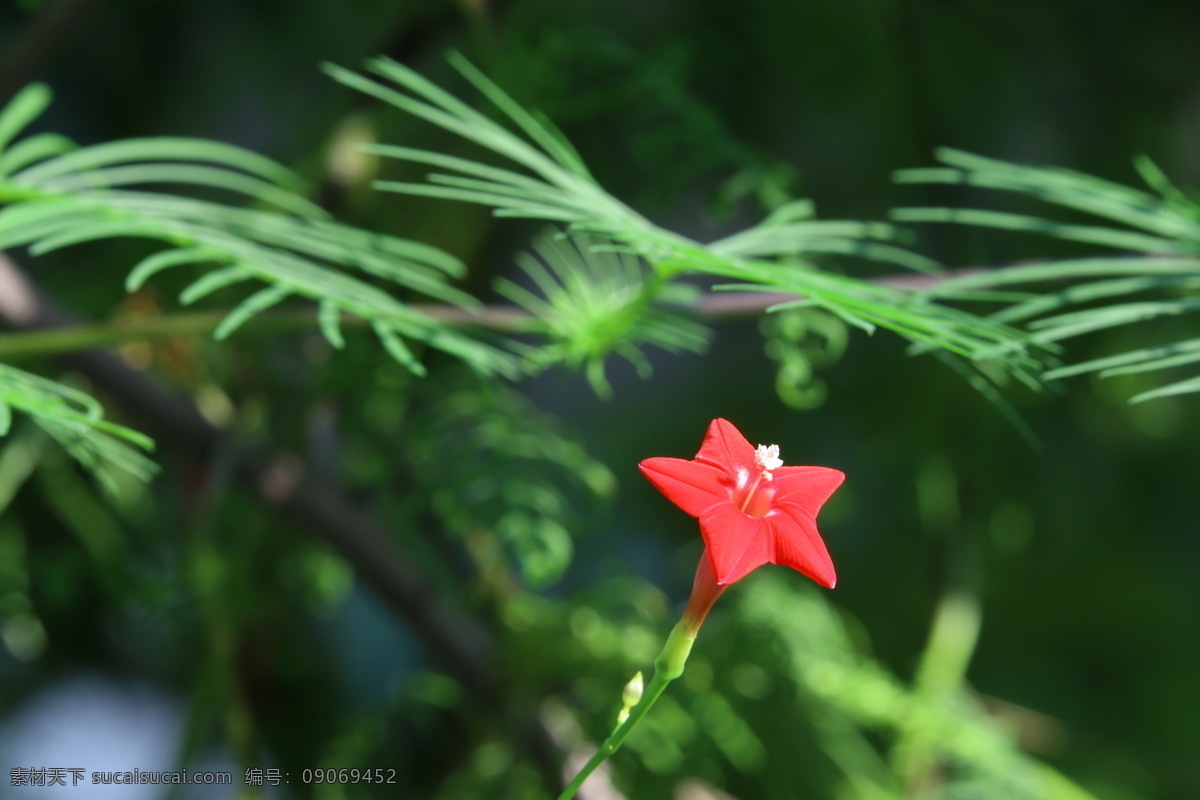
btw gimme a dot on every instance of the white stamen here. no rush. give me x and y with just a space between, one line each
767 458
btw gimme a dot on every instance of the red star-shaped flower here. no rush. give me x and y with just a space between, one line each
752 509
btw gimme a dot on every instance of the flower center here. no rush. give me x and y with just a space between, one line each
754 497
767 458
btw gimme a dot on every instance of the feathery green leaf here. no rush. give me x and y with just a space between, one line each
1158 233
76 421
61 196
23 109
545 179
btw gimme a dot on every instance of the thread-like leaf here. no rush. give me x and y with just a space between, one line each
465 166
1109 200
213 281
1071 269
1181 387
254 304
553 143
59 195
1154 364
1064 326
162 148
396 348
1084 293
329 318
75 420
1091 234
26 222
550 184
1134 360
153 264
1166 257
109 229
24 108
183 174
33 149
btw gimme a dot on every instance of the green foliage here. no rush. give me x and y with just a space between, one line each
59 196
594 302
502 477
76 421
555 185
800 341
855 696
1157 234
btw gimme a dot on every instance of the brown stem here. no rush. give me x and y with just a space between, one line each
66 337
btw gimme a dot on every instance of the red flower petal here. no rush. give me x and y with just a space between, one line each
724 446
737 543
693 487
799 546
809 487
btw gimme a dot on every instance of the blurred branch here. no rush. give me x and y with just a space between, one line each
67 337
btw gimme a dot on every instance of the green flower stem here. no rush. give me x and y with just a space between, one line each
667 667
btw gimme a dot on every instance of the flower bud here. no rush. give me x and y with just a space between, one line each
633 690
631 696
